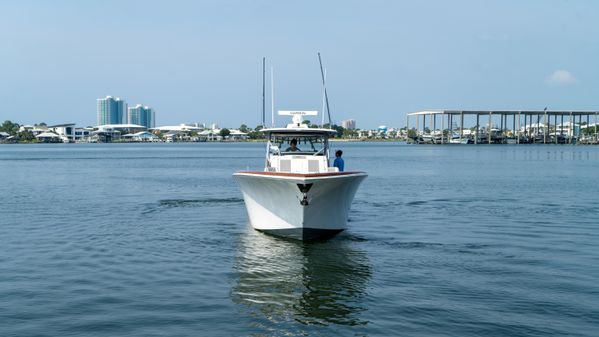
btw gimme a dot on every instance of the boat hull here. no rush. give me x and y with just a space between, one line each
299 206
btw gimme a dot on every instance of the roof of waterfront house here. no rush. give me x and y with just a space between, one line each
181 127
47 135
503 112
120 126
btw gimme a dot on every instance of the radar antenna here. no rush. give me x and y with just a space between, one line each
324 85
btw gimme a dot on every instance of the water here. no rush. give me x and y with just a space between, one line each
153 240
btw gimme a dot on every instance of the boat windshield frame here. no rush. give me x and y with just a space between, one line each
311 144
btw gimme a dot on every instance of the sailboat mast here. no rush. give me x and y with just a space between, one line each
324 85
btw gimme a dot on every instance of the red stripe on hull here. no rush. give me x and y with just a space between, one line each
298 175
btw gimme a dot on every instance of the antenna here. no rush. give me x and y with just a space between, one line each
263 90
324 85
272 95
323 102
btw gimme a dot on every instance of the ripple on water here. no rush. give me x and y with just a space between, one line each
153 240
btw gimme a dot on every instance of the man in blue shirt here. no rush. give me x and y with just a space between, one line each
339 163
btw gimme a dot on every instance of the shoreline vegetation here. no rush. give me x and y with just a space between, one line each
14 133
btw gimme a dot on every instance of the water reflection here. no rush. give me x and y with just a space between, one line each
281 281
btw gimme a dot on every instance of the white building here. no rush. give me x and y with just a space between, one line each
349 124
142 136
83 134
111 110
65 131
237 135
35 130
141 115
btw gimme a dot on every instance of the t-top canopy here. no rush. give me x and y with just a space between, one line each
297 113
307 131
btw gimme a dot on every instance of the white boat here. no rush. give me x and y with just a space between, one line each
298 194
456 138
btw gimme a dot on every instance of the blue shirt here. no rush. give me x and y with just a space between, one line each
339 163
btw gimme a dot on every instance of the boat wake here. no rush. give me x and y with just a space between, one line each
175 203
196 202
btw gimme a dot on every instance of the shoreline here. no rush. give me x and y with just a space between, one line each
223 141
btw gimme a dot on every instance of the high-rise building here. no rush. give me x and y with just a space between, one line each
111 110
141 115
348 124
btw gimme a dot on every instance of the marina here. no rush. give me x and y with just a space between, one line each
503 127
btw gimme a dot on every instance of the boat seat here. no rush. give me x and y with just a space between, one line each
285 165
313 166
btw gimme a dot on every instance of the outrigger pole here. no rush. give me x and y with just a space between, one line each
272 96
263 91
324 85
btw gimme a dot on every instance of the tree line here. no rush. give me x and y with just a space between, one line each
13 130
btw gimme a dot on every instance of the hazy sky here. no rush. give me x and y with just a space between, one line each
201 61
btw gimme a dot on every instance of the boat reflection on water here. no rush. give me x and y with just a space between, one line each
318 283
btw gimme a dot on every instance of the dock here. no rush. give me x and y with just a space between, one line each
503 127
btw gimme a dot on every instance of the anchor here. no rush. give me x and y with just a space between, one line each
304 188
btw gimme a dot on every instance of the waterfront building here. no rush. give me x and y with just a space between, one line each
349 124
110 132
178 128
65 131
141 115
210 135
50 137
142 136
34 129
236 134
382 130
83 134
110 110
514 127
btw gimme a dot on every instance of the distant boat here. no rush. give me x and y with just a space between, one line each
456 138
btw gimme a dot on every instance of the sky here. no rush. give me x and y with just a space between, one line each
201 61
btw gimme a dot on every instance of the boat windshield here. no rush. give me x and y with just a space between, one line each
300 144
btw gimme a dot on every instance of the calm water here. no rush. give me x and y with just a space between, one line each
153 240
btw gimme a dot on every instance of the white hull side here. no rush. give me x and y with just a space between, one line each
274 203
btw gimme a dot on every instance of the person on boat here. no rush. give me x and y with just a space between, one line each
339 163
293 146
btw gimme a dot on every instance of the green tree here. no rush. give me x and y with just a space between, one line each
350 133
591 130
26 136
224 132
243 128
256 134
340 130
10 127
